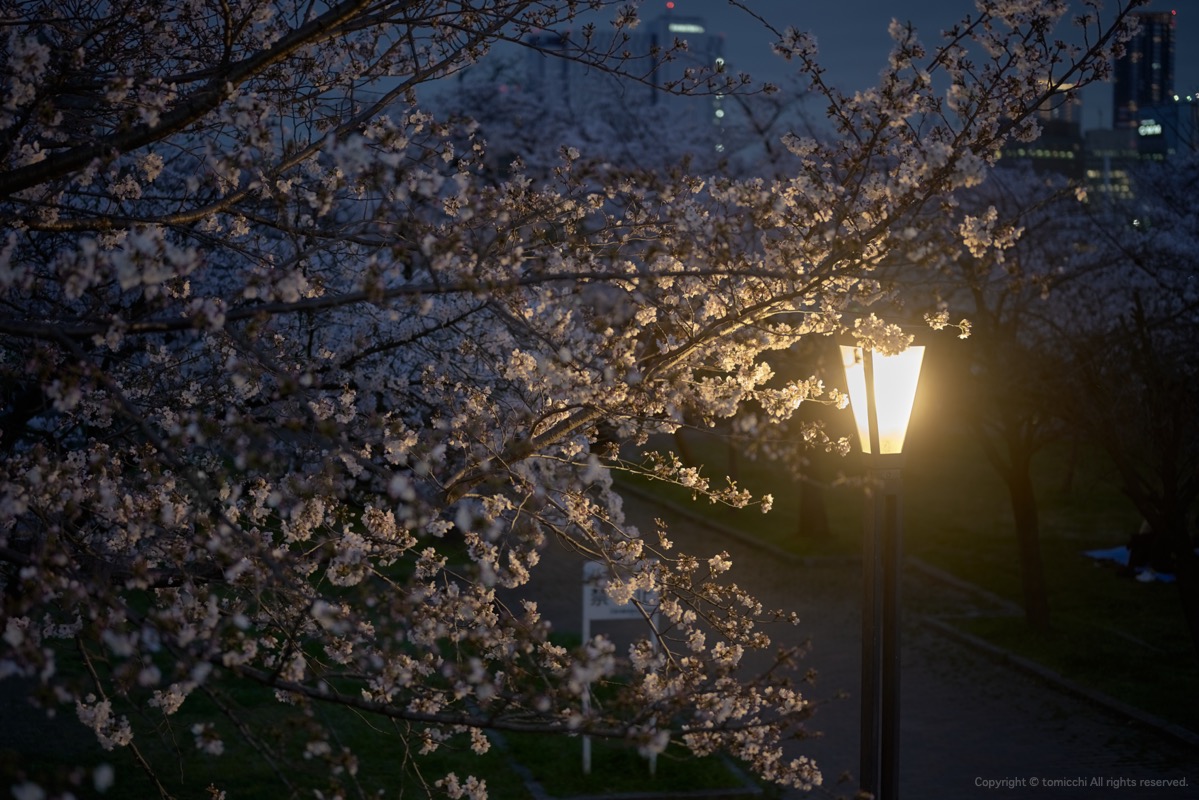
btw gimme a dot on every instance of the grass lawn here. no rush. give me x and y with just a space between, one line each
62 756
1124 638
555 763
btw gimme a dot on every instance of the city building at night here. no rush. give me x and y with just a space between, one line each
1169 129
1144 77
664 56
1059 148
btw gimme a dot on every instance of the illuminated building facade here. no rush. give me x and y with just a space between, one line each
1169 129
1112 157
1144 76
1059 148
705 50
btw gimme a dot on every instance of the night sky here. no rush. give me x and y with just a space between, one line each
853 40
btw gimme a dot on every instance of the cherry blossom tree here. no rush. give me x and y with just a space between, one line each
1133 383
1082 311
1014 288
295 386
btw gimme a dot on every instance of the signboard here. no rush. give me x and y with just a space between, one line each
597 605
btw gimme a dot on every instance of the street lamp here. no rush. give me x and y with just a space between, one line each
882 390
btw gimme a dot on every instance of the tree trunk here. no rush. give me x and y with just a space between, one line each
1186 571
1071 465
683 448
813 513
1028 538
734 471
1016 472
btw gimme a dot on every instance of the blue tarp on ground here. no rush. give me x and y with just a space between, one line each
1119 555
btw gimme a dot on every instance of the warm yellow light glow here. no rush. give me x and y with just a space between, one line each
895 381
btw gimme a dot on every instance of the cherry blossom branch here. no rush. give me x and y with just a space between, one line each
184 114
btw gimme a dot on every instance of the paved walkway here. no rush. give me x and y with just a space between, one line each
971 726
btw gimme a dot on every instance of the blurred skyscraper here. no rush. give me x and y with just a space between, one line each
1144 77
668 60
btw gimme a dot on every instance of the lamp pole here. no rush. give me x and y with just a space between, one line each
880 678
882 390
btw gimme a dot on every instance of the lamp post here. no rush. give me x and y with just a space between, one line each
882 390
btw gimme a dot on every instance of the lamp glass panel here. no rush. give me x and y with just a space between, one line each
895 380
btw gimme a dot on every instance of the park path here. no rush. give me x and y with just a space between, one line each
972 726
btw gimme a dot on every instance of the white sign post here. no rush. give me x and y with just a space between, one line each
597 605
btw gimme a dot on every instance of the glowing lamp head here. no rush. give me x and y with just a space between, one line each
892 381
